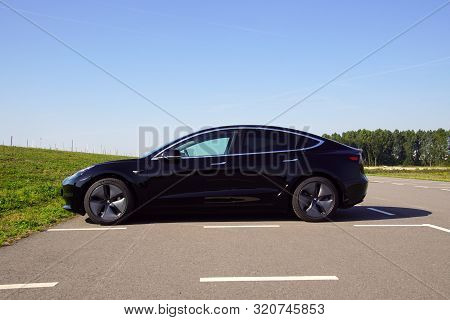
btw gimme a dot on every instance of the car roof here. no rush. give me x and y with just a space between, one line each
260 127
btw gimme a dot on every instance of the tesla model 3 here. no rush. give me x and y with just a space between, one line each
232 166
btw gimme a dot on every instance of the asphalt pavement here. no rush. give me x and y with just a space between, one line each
395 245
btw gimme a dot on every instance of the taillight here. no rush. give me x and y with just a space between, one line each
359 159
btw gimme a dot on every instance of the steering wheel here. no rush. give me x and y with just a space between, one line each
184 153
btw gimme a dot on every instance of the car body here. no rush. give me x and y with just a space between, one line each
232 166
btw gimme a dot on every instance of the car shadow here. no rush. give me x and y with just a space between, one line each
358 213
369 213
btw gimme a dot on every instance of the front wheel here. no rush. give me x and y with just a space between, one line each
107 200
315 199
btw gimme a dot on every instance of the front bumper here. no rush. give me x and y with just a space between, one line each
73 196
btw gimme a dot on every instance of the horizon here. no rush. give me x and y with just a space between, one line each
115 152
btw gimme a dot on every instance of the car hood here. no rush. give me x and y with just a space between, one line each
123 161
119 164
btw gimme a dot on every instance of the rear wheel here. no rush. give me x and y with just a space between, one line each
107 200
315 199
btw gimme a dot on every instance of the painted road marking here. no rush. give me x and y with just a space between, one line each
425 187
403 225
88 229
381 211
28 285
255 279
388 225
436 227
398 183
244 226
445 189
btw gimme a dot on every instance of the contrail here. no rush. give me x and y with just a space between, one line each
414 66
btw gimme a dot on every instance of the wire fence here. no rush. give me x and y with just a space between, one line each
70 146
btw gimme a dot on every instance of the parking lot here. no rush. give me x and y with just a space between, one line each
395 245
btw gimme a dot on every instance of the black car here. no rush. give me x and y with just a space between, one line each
232 166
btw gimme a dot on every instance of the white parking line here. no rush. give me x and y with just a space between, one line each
389 225
244 226
255 279
403 225
425 187
28 285
398 183
445 189
88 229
436 227
381 211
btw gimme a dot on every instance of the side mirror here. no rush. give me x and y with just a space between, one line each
171 154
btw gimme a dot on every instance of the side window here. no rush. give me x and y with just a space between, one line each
267 141
304 142
206 145
256 141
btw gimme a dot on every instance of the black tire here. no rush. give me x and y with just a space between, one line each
108 200
315 199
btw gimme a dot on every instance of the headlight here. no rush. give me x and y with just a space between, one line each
79 173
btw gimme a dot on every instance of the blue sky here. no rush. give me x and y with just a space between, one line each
218 63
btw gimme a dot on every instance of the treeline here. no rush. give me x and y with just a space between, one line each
384 147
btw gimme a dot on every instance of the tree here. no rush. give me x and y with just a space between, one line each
438 147
426 155
383 147
398 147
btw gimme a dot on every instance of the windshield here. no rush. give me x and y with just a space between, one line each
152 150
146 154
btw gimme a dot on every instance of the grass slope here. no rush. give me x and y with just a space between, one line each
423 173
30 180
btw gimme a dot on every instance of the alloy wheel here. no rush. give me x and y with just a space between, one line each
108 202
317 199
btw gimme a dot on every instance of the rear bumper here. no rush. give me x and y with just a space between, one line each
354 192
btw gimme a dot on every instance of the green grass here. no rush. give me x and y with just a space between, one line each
423 173
30 182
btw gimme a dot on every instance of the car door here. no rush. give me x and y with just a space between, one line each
262 163
199 175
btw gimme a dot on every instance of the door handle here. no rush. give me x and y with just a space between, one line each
218 163
290 160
